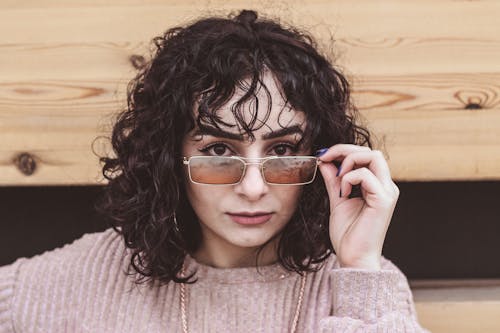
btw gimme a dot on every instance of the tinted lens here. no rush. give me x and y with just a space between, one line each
290 170
215 170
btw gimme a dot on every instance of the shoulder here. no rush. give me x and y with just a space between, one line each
52 278
82 255
85 249
88 249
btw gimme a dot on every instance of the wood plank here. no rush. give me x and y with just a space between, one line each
459 317
138 22
459 310
63 142
460 93
358 58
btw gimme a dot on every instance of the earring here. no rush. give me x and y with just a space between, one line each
176 225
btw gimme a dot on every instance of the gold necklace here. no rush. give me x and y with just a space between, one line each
295 318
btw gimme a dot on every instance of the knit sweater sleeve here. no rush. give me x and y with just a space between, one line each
8 277
371 301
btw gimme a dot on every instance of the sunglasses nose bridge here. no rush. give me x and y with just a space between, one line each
259 164
256 162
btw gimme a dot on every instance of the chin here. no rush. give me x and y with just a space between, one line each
250 242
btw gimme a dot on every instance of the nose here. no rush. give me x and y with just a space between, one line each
252 186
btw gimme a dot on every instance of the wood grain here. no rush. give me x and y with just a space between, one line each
459 317
459 310
425 76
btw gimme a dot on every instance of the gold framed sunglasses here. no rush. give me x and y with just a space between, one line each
230 170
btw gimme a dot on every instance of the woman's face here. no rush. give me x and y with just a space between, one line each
216 206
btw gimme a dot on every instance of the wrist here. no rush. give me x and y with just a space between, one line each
371 264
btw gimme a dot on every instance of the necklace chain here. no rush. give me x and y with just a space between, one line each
183 300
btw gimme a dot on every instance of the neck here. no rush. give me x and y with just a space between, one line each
224 255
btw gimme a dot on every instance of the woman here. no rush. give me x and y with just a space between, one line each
216 202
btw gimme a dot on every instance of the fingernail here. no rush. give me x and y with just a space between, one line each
321 152
338 171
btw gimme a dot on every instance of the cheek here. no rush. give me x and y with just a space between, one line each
289 198
203 199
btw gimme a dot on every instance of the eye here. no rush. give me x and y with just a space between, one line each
222 149
284 148
216 149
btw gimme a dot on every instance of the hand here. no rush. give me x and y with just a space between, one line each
358 225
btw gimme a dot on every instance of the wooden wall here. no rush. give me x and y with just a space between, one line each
425 73
426 77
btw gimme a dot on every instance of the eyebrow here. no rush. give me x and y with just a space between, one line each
216 132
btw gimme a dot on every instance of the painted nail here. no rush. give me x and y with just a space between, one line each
338 171
321 152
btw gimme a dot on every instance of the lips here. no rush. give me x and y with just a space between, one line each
250 213
250 218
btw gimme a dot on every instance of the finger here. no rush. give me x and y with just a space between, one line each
332 182
339 151
374 160
369 183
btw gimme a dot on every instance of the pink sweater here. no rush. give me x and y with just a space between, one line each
81 287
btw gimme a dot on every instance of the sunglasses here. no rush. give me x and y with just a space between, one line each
230 170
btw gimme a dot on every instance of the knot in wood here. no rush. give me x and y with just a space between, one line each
473 106
26 163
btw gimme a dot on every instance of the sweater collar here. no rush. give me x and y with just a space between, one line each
265 273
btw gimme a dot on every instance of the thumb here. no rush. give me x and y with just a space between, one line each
332 182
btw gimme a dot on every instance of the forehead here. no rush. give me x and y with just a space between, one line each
264 112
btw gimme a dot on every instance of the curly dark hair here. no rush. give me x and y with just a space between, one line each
202 64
